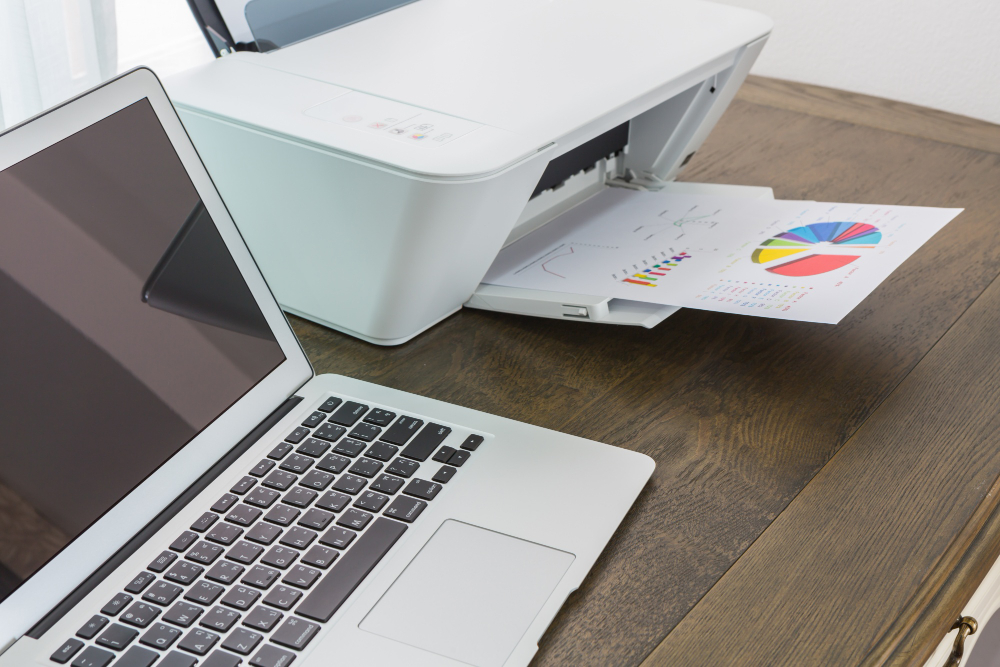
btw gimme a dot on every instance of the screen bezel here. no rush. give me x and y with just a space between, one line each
102 539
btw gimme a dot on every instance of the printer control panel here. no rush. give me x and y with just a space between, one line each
393 120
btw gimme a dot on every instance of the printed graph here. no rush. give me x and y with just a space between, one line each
679 225
649 276
830 246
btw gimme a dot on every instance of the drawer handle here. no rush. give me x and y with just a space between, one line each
966 625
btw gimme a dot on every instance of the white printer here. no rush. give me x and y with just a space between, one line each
376 170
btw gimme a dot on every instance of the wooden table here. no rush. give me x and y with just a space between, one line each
823 494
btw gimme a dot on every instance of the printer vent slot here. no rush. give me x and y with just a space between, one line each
582 157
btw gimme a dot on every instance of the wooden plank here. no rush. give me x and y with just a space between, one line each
872 111
739 412
827 581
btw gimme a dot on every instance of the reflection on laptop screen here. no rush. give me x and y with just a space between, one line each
126 329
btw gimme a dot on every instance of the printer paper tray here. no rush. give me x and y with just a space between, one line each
591 308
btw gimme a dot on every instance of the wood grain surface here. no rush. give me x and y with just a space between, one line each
740 413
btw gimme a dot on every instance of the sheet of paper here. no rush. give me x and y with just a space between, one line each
809 261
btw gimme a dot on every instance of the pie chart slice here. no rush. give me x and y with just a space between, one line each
782 251
812 265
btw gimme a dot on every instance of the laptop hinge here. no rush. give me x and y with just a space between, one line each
161 519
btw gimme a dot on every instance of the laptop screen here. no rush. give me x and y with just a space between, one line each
126 329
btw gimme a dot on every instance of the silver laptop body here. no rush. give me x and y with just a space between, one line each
190 493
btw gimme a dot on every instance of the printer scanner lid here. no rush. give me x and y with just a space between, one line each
514 76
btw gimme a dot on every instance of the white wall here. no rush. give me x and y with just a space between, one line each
943 54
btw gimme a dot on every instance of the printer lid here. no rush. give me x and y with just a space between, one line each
514 76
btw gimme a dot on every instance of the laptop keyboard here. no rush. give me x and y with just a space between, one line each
257 575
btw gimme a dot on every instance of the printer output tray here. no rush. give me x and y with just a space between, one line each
591 308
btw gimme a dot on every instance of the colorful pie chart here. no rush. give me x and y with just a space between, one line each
799 252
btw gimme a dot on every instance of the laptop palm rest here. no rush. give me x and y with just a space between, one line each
470 594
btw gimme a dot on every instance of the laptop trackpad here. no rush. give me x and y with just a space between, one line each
469 594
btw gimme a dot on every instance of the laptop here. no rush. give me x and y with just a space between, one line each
178 488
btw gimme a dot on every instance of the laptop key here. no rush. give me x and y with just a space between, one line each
263 533
317 479
280 480
332 590
243 485
350 447
316 519
320 556
330 404
421 488
263 618
313 447
182 614
224 533
204 592
271 656
348 414
244 552
382 451
340 538
162 593
140 582
333 501
380 417
223 504
295 633
444 475
160 636
283 515
426 442
184 572
140 614
301 576
403 467
94 657
261 577
92 627
458 458
280 557
373 502
334 463
472 442
66 652
242 641
296 463
296 537
206 553
330 432
366 467
177 659
355 519
225 572
119 601
299 497
296 436
199 641
282 597
405 509
402 430
137 657
366 432
243 514
262 468
240 597
280 451
185 540
262 497
204 522
350 484
314 420
387 484
444 454
220 618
